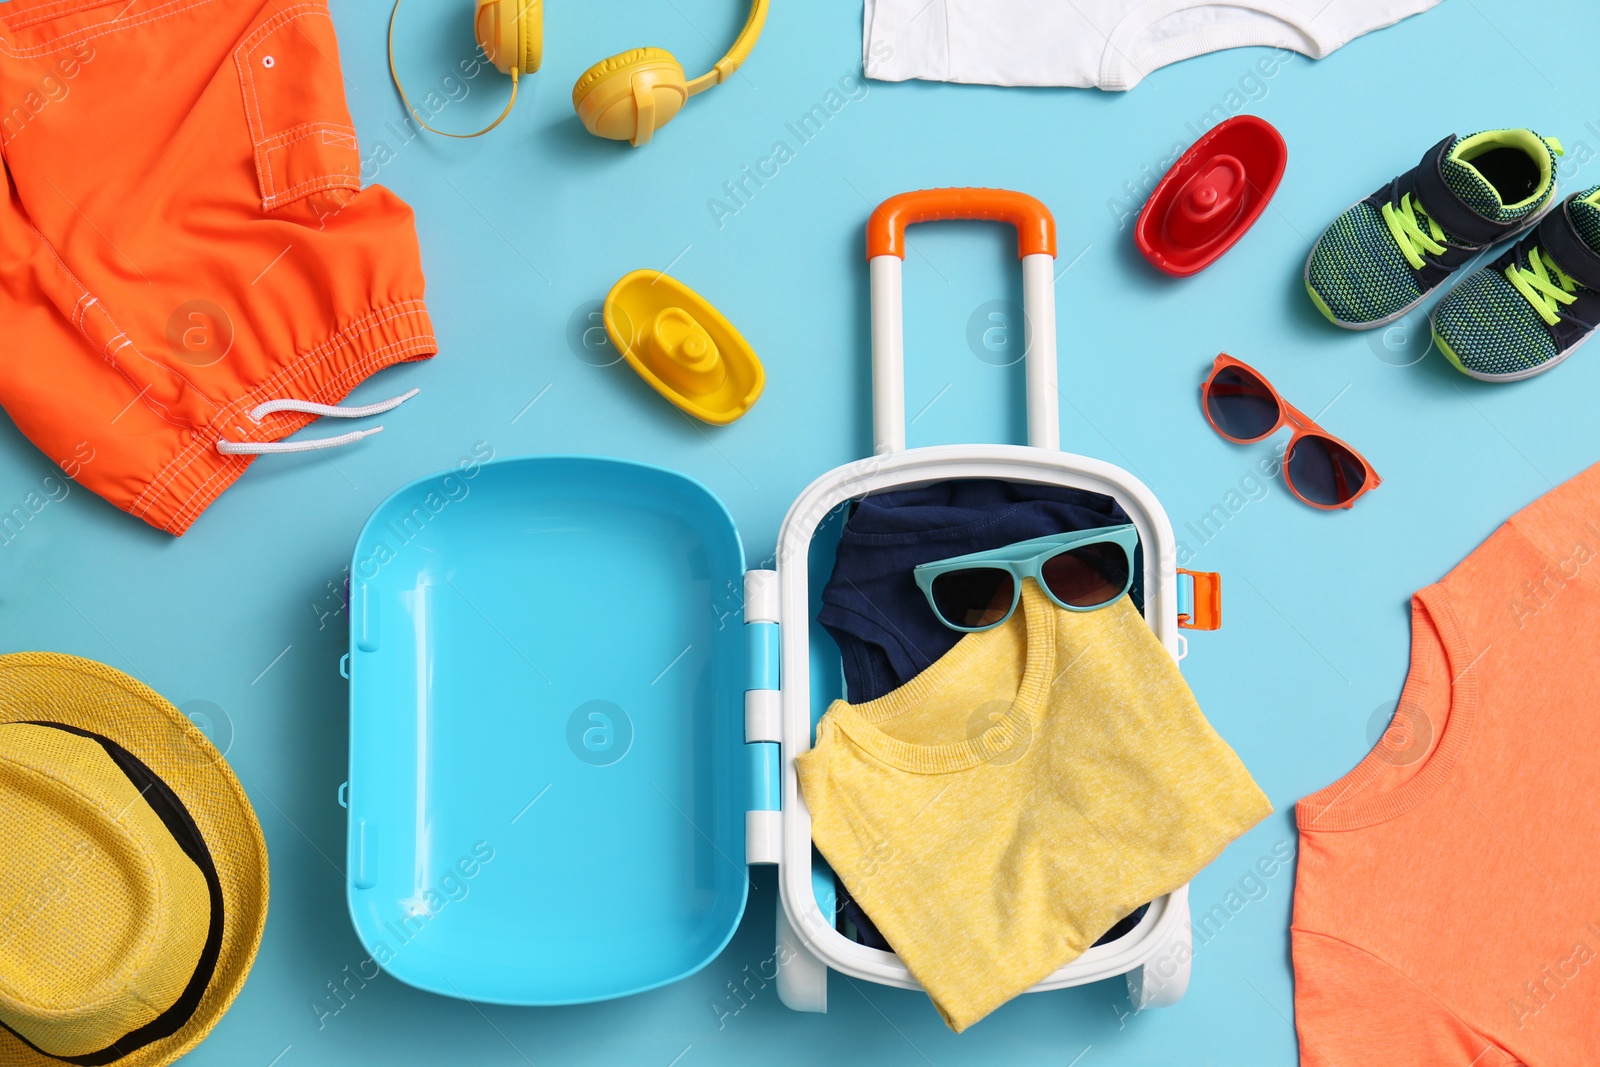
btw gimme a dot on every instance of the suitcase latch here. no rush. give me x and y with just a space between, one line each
1199 600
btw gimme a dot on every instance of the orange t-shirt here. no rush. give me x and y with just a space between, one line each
1447 907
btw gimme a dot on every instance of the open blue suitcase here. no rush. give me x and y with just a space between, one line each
574 713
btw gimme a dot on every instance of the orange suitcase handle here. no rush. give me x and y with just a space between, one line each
1036 227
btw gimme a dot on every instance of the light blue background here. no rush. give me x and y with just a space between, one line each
526 227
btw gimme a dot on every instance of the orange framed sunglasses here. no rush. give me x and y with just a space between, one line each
1320 469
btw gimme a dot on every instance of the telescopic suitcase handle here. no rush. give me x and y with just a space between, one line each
1036 247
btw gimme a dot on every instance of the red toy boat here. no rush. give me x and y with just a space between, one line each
1212 195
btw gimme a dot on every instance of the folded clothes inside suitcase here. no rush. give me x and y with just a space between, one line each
871 605
881 621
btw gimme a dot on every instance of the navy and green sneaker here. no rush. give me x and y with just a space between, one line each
1532 307
1385 255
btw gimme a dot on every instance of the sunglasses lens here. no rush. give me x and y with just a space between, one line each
1241 405
1088 576
974 597
1324 471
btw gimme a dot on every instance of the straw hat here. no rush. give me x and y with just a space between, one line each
134 885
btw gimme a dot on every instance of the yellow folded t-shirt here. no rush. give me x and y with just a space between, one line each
1001 811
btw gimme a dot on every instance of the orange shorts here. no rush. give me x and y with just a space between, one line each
183 237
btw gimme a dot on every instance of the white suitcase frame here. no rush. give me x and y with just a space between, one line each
1155 955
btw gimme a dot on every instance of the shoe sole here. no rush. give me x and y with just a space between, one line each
1514 376
1527 224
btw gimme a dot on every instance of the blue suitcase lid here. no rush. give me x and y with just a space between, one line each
546 730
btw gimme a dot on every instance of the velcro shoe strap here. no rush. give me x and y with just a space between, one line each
1561 241
1446 208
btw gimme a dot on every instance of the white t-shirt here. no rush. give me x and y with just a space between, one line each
1109 44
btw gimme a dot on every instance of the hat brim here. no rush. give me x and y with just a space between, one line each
91 696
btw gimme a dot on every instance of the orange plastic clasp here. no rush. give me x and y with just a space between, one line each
1202 609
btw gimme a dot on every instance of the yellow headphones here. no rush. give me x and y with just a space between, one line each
625 98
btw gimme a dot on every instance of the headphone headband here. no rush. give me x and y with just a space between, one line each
740 51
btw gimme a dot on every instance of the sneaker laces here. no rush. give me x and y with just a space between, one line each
1405 223
1546 286
256 414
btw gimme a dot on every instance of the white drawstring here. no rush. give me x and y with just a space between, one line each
257 448
262 448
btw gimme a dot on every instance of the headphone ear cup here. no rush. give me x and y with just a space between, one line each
530 31
630 95
511 33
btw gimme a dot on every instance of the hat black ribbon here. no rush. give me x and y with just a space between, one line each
176 818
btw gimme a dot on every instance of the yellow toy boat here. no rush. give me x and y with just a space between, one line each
684 347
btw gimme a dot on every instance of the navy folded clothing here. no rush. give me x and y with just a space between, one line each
886 632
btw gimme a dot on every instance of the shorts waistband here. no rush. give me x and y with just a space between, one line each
198 473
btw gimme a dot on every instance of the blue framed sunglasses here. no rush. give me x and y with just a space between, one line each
1080 571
